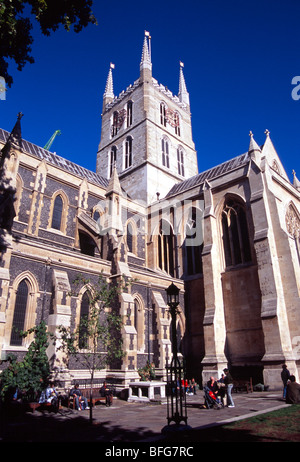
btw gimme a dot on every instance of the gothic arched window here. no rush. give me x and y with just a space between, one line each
129 237
165 152
177 124
292 221
180 161
113 159
165 248
194 243
129 113
87 244
235 234
115 124
128 152
163 115
138 322
83 322
57 213
19 313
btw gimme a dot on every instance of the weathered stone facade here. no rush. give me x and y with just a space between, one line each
239 285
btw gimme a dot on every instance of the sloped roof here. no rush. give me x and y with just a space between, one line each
209 174
58 161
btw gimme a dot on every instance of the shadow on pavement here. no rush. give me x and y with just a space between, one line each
65 426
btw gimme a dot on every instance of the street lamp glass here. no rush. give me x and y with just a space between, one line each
172 294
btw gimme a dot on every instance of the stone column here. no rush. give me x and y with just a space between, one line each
61 316
214 360
278 347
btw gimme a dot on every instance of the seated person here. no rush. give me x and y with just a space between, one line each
192 386
293 391
80 400
49 395
107 392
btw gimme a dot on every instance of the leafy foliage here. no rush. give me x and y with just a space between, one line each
31 375
96 341
15 30
147 372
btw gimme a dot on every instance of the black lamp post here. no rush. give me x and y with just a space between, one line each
176 396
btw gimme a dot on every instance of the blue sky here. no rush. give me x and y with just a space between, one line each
239 61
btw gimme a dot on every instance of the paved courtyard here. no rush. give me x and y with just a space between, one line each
130 422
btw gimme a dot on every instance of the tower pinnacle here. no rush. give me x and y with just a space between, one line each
109 90
146 65
183 93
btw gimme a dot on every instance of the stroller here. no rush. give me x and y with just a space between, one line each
211 401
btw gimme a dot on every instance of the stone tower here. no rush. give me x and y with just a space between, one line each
146 132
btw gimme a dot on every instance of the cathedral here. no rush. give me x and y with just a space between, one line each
228 238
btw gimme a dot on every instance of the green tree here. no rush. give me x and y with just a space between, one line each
31 375
15 28
97 341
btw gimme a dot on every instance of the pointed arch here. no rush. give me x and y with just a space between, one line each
292 222
128 152
115 123
235 232
131 236
112 160
193 243
83 305
139 320
129 113
165 151
22 310
87 243
18 195
83 319
163 113
18 323
180 160
59 211
165 247
177 123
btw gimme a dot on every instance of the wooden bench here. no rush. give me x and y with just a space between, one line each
96 398
33 406
241 384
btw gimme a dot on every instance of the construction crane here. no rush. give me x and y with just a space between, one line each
49 143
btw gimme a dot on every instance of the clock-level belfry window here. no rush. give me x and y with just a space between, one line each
177 124
113 159
128 152
118 121
165 152
129 114
163 115
115 128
